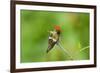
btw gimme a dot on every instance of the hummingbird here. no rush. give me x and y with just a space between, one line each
53 37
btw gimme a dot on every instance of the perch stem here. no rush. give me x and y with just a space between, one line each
65 51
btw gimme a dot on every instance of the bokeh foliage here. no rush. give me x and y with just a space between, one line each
34 35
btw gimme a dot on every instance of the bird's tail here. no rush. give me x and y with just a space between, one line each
48 49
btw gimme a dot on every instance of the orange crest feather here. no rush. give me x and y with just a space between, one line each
57 28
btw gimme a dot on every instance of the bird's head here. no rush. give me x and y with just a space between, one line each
58 29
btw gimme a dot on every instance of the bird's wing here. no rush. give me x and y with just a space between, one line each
51 45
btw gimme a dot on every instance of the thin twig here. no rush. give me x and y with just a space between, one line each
65 51
84 48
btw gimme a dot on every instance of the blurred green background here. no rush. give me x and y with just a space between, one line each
34 35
